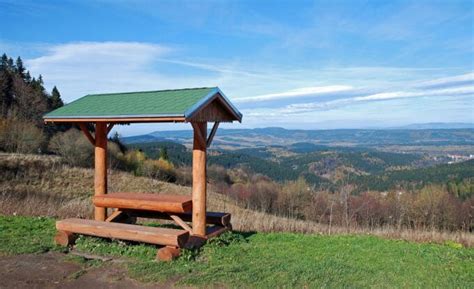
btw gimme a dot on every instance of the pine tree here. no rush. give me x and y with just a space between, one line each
19 67
4 62
28 77
164 154
55 100
116 139
6 87
10 64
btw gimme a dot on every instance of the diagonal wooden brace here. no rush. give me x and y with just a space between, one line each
181 223
212 134
87 133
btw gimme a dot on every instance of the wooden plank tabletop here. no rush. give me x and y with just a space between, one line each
145 201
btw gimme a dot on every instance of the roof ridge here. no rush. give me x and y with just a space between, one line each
152 91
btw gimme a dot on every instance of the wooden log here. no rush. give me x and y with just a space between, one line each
199 178
212 218
151 235
215 231
168 253
141 201
64 238
100 180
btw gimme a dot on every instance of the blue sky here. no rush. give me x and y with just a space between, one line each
294 64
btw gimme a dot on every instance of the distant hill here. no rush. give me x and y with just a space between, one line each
261 137
438 125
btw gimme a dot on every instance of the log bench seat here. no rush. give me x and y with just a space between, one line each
146 202
151 235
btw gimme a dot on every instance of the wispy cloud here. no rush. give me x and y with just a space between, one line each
86 67
456 89
464 79
299 92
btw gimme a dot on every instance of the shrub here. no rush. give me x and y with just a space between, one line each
73 147
20 137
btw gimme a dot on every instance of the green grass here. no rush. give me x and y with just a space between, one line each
21 235
275 260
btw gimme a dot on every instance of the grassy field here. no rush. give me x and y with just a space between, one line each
39 185
270 260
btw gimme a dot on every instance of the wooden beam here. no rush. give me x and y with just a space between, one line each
118 119
215 231
181 223
142 201
146 234
212 218
100 180
212 134
87 133
199 178
109 127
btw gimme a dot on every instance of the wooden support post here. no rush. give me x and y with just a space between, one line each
100 180
199 178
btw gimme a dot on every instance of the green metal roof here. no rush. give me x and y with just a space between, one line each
161 103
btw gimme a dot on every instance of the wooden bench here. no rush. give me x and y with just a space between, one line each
151 235
147 202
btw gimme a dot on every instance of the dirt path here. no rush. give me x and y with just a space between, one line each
54 270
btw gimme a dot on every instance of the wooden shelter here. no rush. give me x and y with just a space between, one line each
197 106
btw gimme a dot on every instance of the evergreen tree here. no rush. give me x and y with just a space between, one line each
4 62
28 77
10 64
6 87
19 67
55 100
116 139
164 154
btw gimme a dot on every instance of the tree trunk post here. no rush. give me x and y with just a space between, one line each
199 178
100 180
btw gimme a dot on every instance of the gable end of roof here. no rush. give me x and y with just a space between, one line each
212 95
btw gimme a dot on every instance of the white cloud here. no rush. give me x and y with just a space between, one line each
91 67
299 92
404 94
292 109
446 81
131 54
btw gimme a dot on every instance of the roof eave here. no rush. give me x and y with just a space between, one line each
115 118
